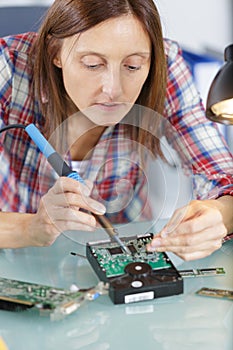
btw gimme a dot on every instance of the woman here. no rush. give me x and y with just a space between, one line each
78 79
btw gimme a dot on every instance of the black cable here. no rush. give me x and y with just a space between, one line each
13 126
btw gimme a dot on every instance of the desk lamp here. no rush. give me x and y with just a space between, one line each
219 106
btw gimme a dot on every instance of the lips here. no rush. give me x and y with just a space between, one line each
108 106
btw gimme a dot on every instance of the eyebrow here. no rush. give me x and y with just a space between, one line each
86 53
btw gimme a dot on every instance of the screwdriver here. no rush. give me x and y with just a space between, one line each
63 169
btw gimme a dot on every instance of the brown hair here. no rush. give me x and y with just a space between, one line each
68 17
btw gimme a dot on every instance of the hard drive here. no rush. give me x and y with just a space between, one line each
137 277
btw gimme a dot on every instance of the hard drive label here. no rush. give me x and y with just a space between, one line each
132 298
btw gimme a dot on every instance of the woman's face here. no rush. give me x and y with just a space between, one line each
105 67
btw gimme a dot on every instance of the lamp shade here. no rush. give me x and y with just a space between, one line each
219 107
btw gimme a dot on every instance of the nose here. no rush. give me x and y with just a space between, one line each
112 84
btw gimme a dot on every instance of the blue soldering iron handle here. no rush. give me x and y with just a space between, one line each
74 175
63 169
55 160
39 140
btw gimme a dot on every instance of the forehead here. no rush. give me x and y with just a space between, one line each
123 34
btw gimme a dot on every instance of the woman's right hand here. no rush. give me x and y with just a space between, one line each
59 210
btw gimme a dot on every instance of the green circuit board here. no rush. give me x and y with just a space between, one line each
57 302
113 260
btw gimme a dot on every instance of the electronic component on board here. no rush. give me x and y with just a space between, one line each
207 272
216 293
136 277
18 295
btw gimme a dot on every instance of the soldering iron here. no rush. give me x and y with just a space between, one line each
63 169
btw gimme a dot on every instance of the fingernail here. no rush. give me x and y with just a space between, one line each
164 233
150 249
98 207
156 243
85 191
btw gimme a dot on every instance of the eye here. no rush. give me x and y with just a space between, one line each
92 62
132 68
136 62
92 66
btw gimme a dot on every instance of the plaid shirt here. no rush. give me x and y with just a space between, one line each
115 168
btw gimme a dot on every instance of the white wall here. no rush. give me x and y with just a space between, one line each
201 26
24 2
195 24
198 24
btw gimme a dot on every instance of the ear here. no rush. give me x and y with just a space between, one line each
57 62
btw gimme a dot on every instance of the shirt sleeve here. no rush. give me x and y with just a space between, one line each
21 183
201 147
5 95
6 74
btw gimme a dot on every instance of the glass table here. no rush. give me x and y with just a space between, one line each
185 321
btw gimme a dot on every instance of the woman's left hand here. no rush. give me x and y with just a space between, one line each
194 231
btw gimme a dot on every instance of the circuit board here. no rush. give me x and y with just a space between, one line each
216 293
113 261
133 277
207 272
18 295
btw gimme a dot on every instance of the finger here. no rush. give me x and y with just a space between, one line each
73 200
191 252
178 216
190 239
70 219
201 221
86 203
89 184
73 226
73 215
187 256
195 255
65 184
